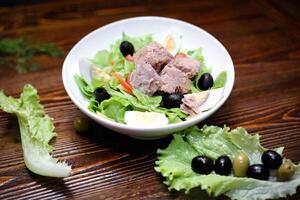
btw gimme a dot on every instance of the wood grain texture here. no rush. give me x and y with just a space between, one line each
263 38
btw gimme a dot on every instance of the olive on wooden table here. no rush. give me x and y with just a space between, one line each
81 124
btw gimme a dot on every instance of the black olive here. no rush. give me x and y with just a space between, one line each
126 48
202 165
271 159
205 82
172 100
223 165
101 94
258 171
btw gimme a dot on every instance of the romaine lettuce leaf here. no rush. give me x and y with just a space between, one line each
174 164
37 130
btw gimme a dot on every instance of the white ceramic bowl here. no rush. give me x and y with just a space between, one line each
214 53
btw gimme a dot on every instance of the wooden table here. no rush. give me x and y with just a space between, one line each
263 38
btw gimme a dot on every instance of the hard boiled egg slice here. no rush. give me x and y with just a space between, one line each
172 42
145 119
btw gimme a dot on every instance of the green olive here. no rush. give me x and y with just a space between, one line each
81 124
286 171
240 164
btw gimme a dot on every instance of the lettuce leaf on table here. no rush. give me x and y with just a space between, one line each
174 164
37 130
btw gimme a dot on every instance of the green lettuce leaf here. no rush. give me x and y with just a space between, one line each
102 58
138 42
174 164
197 55
83 86
114 108
150 101
174 115
37 130
220 80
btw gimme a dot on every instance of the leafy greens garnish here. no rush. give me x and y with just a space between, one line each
18 53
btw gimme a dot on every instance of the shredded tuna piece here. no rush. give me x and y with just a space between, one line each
145 78
154 54
187 65
174 81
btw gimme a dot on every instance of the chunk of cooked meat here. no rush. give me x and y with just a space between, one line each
187 65
154 54
145 78
174 81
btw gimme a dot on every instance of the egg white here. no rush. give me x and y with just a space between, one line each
145 119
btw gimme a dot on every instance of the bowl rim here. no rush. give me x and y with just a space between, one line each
111 123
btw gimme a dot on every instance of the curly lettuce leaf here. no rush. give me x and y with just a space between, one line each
174 164
37 130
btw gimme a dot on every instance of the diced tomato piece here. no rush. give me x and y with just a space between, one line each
113 62
127 87
180 55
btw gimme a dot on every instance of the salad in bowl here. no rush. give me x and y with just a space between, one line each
141 82
150 81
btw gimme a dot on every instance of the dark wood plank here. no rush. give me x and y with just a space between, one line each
261 36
